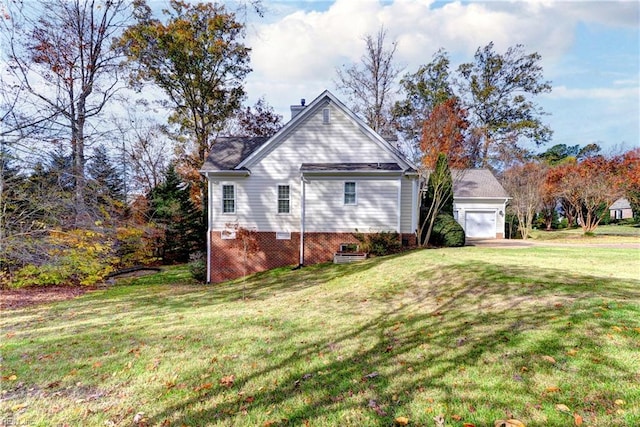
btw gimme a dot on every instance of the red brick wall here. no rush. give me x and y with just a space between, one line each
227 260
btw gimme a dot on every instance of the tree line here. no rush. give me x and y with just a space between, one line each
84 191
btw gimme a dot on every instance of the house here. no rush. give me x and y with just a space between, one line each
305 191
301 194
479 203
620 209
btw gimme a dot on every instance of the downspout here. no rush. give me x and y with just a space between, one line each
414 205
210 221
400 206
302 213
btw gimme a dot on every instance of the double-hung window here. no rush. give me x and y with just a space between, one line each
284 199
350 193
228 198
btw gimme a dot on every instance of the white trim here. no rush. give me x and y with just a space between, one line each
414 205
209 224
302 212
399 208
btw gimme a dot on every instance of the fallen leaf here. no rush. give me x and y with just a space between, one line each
552 389
617 328
205 386
468 425
577 419
456 417
572 352
228 380
619 402
402 421
562 408
549 359
18 407
12 377
97 364
509 423
439 420
11 335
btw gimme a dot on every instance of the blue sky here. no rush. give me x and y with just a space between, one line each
590 52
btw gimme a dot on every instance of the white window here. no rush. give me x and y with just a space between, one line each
284 199
350 193
228 199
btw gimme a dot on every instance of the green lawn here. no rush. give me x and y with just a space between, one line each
604 233
473 334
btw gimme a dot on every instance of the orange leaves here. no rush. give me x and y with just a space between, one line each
549 359
577 420
401 421
205 386
227 381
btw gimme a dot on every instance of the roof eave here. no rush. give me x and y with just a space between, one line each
226 173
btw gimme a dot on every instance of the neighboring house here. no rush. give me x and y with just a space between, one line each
305 191
479 203
620 209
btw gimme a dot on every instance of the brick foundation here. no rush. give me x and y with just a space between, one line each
227 260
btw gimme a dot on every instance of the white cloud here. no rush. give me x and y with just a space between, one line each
617 93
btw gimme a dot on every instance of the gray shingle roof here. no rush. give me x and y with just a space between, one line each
621 203
476 183
229 151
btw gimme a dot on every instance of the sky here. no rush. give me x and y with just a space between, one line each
590 53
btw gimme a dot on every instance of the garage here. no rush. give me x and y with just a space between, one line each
480 224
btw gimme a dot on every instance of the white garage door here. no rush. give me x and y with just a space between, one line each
480 224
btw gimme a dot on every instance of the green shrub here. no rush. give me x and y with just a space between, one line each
447 232
198 267
73 257
378 244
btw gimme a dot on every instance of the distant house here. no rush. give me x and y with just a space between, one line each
479 203
304 192
620 209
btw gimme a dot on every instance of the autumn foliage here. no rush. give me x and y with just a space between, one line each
444 132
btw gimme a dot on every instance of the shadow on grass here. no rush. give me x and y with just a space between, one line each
485 319
432 340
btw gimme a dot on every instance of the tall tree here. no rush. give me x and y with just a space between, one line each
198 59
64 62
524 183
105 184
590 187
423 90
259 120
629 178
444 133
499 91
369 85
172 209
435 198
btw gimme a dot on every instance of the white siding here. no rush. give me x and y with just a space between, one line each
376 208
340 141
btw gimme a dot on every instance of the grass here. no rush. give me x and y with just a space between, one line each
473 334
610 233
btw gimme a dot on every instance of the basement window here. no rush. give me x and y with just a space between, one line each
283 235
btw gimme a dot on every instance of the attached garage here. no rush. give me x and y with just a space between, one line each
480 224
